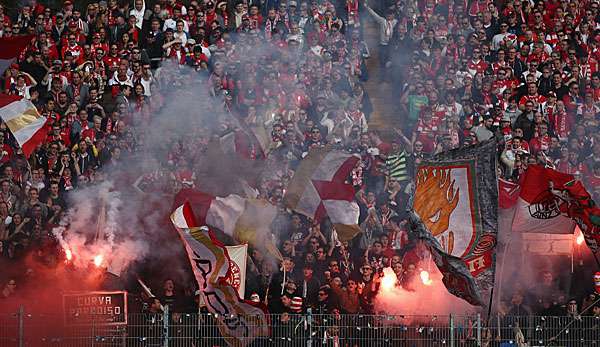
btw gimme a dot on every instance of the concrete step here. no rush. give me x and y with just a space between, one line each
385 107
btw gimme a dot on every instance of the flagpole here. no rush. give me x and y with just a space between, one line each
489 311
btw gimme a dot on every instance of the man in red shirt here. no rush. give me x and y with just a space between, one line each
6 152
532 95
477 64
74 48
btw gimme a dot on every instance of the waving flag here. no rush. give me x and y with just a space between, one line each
538 209
583 210
319 188
245 220
456 201
11 49
456 277
23 121
239 323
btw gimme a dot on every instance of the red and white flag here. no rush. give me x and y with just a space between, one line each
239 322
245 220
11 49
23 121
237 267
320 188
538 209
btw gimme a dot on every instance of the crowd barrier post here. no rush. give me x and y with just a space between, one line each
478 329
451 330
166 326
21 316
309 321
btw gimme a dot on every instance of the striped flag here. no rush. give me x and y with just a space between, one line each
23 121
397 166
239 322
11 48
320 188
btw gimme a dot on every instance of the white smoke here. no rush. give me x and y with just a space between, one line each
110 233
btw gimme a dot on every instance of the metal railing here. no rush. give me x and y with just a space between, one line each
183 329
22 329
546 330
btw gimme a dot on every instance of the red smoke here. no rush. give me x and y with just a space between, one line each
429 297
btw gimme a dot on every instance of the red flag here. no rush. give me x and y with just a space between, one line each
584 212
11 49
538 209
508 193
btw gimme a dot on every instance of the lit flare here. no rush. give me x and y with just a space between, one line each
425 278
98 260
579 237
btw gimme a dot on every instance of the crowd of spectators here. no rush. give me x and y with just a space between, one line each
461 73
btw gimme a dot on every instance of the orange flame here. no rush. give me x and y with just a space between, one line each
98 260
579 237
425 278
68 254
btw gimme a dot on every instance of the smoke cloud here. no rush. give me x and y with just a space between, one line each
421 299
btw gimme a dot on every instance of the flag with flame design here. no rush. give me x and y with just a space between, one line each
456 201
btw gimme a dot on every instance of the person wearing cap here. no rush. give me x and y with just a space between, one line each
98 44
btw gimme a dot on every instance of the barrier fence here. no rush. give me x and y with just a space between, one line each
22 329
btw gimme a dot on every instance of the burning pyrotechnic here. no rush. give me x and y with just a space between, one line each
68 254
388 281
579 237
425 278
98 260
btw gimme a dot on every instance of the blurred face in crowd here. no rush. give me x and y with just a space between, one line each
169 285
